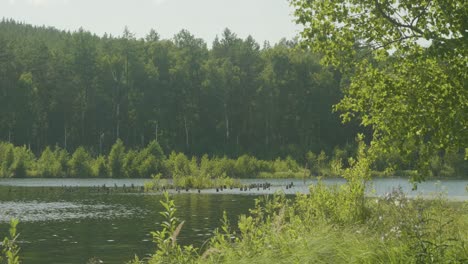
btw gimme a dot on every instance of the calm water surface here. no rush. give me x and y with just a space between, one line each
75 223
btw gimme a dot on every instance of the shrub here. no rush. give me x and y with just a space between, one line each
24 162
130 164
80 163
116 159
99 167
178 165
246 167
63 157
223 167
49 165
150 160
7 158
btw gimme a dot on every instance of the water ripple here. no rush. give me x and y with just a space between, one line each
34 211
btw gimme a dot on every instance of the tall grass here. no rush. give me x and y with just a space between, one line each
338 224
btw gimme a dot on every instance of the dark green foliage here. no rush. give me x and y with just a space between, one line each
77 89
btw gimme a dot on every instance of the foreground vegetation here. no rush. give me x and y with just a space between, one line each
331 225
323 228
9 248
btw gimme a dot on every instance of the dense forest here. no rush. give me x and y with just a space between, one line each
71 89
122 104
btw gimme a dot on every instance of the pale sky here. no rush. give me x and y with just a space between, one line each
263 19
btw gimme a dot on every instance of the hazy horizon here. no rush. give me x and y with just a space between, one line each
264 20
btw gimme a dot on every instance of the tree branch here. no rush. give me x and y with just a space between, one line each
424 11
395 22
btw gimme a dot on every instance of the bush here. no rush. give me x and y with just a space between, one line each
130 165
178 164
116 160
51 163
99 167
24 162
16 162
7 158
150 160
246 167
63 157
223 167
80 164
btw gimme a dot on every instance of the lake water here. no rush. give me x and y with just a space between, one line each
70 221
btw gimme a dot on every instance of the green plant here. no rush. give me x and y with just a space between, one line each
130 164
10 249
80 163
24 162
149 160
168 250
7 158
156 183
52 163
116 159
99 167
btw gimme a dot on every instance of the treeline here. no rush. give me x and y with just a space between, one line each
123 162
151 161
71 89
137 163
75 89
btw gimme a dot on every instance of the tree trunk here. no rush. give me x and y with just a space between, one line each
118 121
65 137
82 125
156 132
226 120
100 143
186 134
